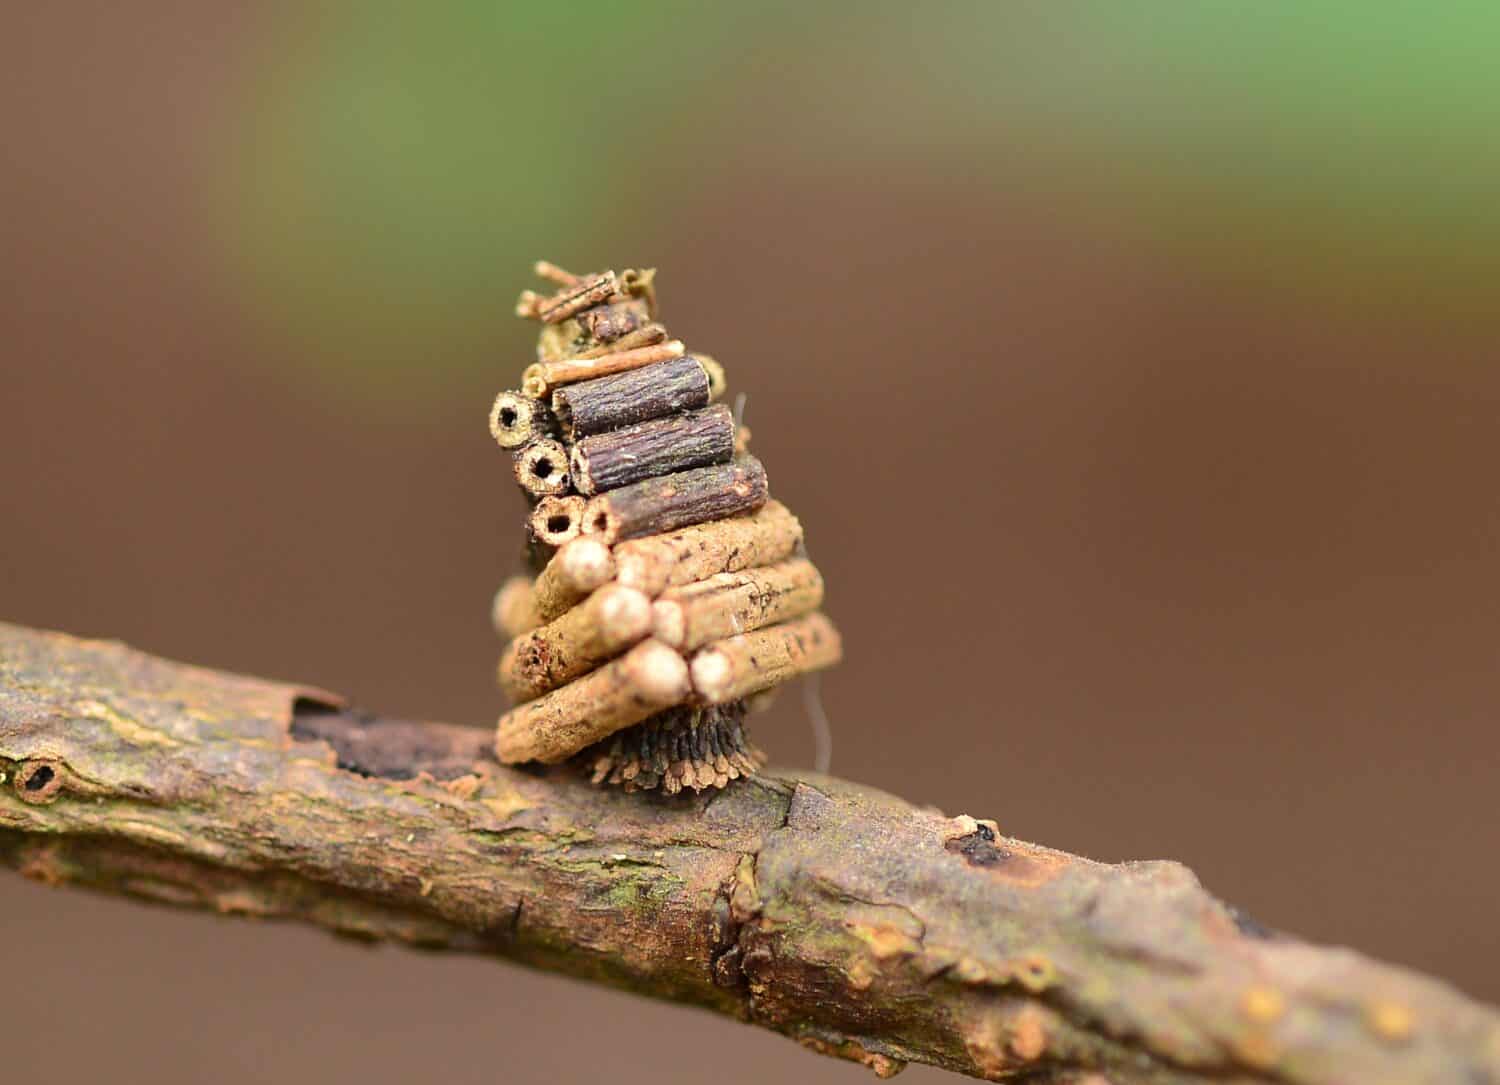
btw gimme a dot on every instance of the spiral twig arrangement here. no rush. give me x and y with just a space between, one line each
666 590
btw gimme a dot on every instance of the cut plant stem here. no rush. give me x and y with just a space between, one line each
600 628
544 377
732 603
541 468
625 399
576 569
584 294
516 419
607 461
696 553
730 669
643 336
557 520
642 682
673 501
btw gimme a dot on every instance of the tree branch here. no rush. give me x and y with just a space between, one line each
847 919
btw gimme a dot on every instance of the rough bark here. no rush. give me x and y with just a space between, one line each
852 921
722 606
657 506
625 399
608 461
541 468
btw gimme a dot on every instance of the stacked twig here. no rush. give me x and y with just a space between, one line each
665 586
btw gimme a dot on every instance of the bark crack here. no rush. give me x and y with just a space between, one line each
859 925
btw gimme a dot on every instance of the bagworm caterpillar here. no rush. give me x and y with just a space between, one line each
665 588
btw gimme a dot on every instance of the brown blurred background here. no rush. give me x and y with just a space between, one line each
1133 370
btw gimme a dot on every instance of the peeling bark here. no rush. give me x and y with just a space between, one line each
855 923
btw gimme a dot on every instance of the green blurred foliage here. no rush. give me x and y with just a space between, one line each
1382 116
399 164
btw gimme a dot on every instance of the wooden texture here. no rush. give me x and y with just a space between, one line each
731 603
576 569
625 399
662 446
556 520
544 377
665 504
643 336
598 629
516 419
854 922
580 295
695 553
541 468
751 662
642 682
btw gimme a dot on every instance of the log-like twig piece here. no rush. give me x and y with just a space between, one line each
746 664
543 378
541 468
514 609
555 726
576 569
556 520
598 629
732 603
626 399
696 553
516 419
643 336
607 461
665 504
581 295
854 922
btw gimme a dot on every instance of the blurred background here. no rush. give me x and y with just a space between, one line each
1133 370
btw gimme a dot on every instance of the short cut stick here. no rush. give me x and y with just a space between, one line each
728 604
544 377
607 461
645 680
584 294
625 399
643 336
516 419
696 553
600 628
576 569
673 501
557 520
730 669
514 609
541 468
